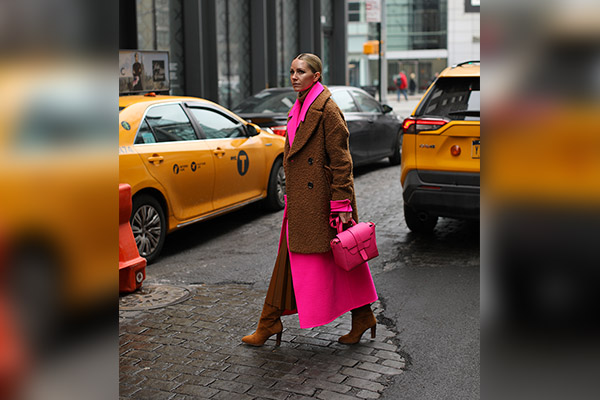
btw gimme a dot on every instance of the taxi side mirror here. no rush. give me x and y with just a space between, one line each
252 129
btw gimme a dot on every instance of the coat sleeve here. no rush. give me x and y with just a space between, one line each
336 147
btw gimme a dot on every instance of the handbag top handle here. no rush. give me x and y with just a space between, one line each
337 223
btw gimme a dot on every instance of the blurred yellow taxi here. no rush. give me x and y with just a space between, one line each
57 204
188 159
441 150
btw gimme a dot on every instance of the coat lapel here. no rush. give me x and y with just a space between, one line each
310 124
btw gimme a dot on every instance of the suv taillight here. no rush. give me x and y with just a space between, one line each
412 125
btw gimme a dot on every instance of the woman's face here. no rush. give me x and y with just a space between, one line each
301 75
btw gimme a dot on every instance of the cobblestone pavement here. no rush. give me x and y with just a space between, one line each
192 349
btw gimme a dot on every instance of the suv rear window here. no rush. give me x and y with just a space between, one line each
453 98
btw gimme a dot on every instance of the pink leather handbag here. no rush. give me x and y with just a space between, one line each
354 246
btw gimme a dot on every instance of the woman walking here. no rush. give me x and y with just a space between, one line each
320 187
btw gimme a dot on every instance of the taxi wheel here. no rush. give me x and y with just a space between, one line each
419 221
396 157
276 190
35 280
149 226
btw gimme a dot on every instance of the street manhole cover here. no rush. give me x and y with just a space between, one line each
153 296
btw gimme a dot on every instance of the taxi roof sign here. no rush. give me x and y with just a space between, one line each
143 71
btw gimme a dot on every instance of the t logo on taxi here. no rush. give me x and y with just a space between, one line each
243 162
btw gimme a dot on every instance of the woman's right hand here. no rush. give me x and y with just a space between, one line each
345 217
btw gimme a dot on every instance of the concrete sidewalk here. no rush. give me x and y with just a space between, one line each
192 349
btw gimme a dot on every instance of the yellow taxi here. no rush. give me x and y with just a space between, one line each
441 150
57 203
189 159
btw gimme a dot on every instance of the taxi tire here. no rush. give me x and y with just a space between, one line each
419 221
35 280
396 157
151 203
273 201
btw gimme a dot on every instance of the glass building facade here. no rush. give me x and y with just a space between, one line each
419 37
227 50
158 26
416 24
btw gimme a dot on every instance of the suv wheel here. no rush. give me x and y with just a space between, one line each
395 158
419 221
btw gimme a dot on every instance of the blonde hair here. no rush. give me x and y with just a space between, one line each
313 62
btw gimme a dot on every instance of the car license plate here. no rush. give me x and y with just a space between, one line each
475 151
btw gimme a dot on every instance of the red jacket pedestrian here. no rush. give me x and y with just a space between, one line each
401 84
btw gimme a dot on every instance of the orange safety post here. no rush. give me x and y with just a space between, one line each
132 267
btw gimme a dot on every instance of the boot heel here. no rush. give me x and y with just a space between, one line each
278 339
373 330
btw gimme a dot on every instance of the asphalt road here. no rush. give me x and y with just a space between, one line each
429 285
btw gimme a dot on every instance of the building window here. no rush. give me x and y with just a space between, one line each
233 43
416 24
287 38
472 6
354 11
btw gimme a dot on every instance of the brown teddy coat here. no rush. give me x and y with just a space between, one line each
318 168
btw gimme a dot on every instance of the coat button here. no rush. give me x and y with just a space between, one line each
310 185
310 161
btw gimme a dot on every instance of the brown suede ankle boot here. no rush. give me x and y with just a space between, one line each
362 319
268 325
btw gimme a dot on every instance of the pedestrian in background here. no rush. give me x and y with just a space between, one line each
320 186
412 84
401 85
